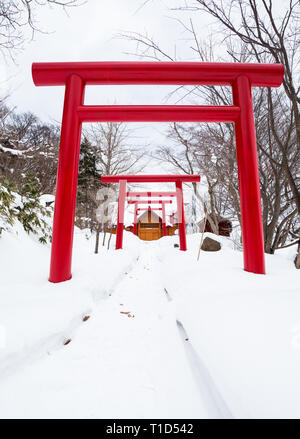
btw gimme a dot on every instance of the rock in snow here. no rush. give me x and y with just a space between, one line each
210 245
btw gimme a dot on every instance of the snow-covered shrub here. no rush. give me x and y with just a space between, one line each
26 208
7 212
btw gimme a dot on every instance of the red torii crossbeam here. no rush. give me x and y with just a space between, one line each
76 75
148 208
151 194
124 179
137 202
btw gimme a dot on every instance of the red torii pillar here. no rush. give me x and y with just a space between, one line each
162 202
75 76
164 219
135 219
121 211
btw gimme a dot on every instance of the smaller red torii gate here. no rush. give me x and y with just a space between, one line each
150 194
162 202
177 179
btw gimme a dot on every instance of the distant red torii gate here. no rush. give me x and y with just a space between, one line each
124 179
163 209
149 194
76 75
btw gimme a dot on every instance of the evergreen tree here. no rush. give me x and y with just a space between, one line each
24 207
31 214
7 211
88 185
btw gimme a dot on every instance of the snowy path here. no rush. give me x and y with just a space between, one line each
242 352
119 366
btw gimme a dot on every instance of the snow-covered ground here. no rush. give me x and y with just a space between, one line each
203 339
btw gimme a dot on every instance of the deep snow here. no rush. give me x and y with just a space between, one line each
205 339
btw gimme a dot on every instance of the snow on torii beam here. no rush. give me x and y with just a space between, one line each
76 75
162 202
177 179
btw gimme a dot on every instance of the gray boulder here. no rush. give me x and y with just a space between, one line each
210 245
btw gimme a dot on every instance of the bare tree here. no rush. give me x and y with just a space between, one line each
105 213
115 154
19 16
212 146
210 150
114 147
28 146
268 36
182 156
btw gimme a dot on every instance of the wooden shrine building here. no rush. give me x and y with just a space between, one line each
149 226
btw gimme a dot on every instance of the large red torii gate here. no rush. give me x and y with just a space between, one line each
75 76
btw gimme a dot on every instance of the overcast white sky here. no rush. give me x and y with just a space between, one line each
88 33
